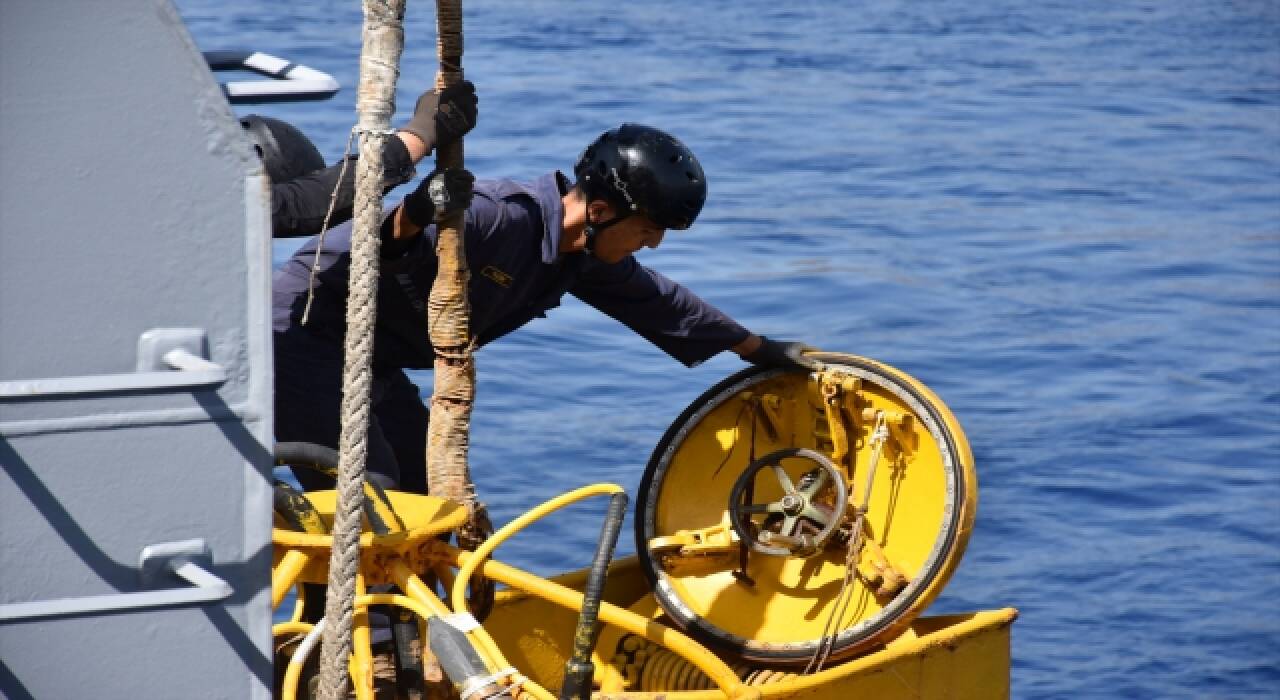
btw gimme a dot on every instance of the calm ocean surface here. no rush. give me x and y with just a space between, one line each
1064 217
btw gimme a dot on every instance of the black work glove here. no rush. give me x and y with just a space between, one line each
780 353
444 117
440 193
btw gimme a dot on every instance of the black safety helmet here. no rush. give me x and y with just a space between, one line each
639 169
285 152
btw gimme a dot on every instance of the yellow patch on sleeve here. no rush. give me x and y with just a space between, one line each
498 276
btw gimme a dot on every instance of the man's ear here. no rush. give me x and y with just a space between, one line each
599 210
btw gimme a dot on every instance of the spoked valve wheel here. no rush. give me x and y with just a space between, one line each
803 519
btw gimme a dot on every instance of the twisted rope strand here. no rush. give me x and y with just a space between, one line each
383 44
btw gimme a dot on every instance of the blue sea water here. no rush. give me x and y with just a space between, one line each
1062 216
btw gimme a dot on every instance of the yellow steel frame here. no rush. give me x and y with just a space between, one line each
833 412
396 557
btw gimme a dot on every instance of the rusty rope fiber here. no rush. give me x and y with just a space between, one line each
449 320
383 42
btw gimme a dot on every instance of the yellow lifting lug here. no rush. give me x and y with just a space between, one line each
875 569
693 552
890 417
891 583
840 381
833 387
901 428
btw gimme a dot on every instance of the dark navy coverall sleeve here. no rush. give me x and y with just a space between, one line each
298 206
660 310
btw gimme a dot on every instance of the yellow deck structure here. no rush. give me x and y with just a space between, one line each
952 656
791 529
639 655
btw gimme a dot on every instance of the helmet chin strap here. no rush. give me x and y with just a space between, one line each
594 229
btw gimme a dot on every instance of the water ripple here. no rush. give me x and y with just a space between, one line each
1064 219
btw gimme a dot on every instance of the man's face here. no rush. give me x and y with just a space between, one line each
626 237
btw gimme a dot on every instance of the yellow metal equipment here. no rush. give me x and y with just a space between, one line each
954 656
794 518
791 528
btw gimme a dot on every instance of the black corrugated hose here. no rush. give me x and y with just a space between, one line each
579 669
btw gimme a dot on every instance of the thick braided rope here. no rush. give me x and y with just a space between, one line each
380 58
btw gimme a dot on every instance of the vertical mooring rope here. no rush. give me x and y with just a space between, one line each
383 37
449 317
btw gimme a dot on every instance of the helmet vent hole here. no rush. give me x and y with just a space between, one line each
691 176
675 158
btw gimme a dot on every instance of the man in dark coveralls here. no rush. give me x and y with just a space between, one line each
303 188
527 246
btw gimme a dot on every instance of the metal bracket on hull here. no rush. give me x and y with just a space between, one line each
161 351
290 82
176 558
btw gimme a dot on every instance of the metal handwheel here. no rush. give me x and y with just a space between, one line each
809 512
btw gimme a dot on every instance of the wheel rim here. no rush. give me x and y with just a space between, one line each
781 619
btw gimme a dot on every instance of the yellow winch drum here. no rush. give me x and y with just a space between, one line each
734 520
